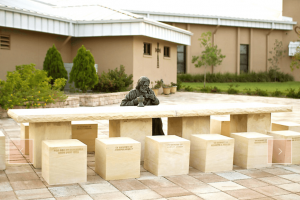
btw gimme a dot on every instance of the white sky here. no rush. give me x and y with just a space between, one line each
255 9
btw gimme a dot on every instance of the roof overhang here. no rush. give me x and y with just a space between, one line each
216 20
34 21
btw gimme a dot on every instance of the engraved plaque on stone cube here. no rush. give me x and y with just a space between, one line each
167 155
251 150
25 138
117 158
288 150
283 126
64 161
2 151
86 132
211 152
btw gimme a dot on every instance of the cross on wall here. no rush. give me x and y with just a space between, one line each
157 50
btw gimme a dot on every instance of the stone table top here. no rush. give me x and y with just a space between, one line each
134 112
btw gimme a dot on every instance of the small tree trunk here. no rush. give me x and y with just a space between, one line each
204 76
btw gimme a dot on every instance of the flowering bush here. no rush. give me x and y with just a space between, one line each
29 87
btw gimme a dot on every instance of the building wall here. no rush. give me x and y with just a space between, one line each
30 47
144 65
108 52
290 9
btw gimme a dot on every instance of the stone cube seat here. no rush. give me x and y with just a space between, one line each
167 155
282 126
117 158
86 132
64 161
2 152
251 150
287 149
211 152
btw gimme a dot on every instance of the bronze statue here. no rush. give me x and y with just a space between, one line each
142 89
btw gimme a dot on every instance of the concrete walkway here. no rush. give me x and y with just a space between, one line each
23 181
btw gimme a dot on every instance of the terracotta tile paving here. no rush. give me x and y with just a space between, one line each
23 181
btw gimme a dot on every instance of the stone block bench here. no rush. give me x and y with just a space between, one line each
183 120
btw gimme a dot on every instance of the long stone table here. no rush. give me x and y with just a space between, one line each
135 122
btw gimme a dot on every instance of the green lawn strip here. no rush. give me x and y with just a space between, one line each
269 86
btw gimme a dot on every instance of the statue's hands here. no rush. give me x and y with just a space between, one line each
150 96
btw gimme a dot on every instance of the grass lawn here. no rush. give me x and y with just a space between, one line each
269 86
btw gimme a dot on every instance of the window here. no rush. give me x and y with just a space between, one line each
5 42
181 69
147 49
166 51
244 58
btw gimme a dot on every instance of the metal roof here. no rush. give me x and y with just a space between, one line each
85 21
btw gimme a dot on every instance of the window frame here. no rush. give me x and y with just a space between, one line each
147 48
9 42
168 51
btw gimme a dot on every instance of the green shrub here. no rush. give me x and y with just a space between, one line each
248 91
206 89
114 81
230 77
277 93
292 93
179 84
30 87
53 64
232 90
188 88
83 72
215 90
260 92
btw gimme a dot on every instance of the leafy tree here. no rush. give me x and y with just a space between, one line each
277 53
54 65
114 81
211 56
296 60
83 72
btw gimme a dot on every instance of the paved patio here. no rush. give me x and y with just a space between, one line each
23 181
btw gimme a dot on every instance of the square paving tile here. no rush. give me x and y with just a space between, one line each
67 191
189 197
217 196
200 188
3 178
287 197
110 196
228 185
277 171
157 183
79 197
27 185
245 194
23 176
34 194
295 169
271 190
210 178
251 183
291 177
5 187
275 180
183 180
18 169
193 171
256 173
99 188
128 184
232 175
292 187
93 180
147 175
8 195
142 194
172 191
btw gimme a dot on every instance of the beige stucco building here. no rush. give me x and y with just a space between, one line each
130 38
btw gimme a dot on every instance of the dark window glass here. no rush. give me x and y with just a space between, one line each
181 59
244 58
166 51
147 49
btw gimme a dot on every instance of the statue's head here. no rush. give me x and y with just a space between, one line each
143 84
